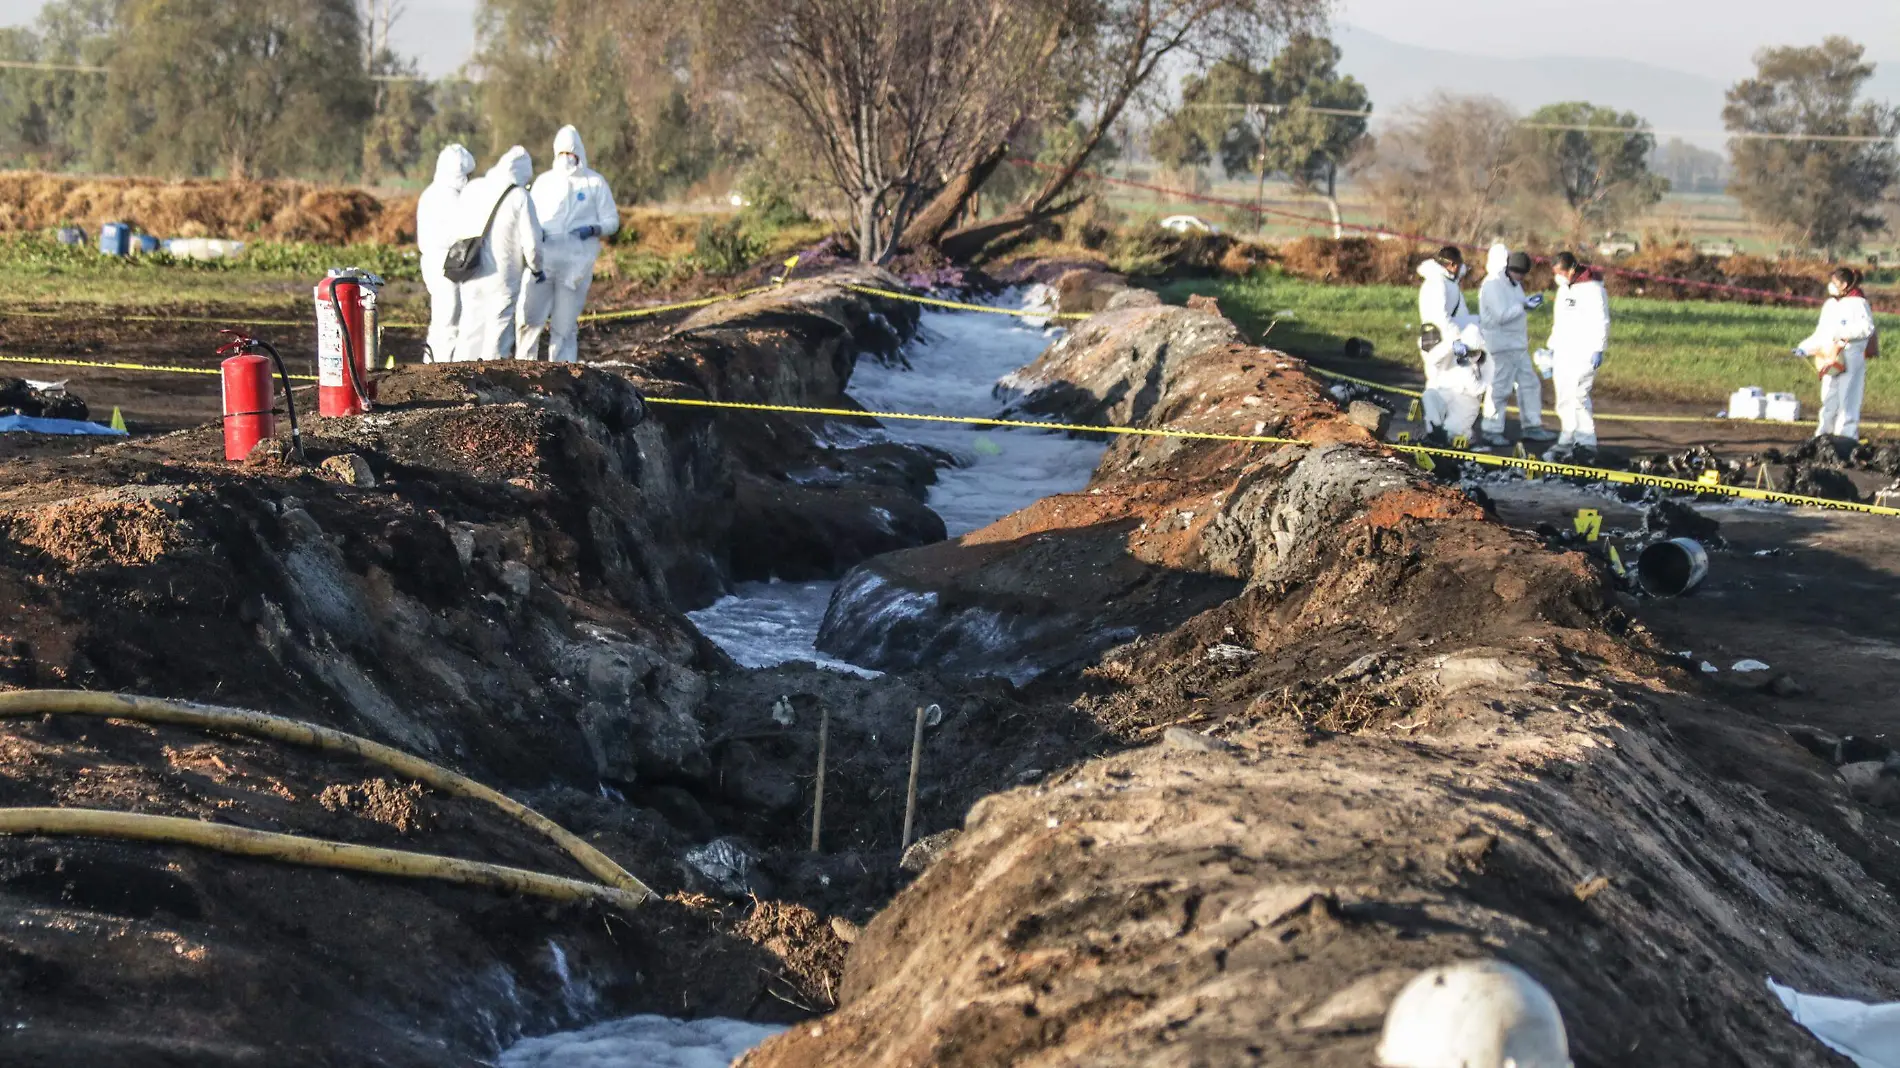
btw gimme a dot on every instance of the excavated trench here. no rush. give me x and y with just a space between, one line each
1228 739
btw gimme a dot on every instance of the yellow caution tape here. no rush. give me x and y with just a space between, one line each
958 306
104 365
1614 417
659 309
1420 453
392 324
853 413
1681 485
226 321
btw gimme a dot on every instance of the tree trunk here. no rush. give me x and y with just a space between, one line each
965 243
867 230
1259 199
1332 200
949 204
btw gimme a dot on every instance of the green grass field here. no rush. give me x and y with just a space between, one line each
1670 352
37 270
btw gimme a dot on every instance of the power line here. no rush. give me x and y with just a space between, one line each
81 68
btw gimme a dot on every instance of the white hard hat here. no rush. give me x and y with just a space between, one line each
1474 1014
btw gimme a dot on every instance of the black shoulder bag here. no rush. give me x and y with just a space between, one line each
465 256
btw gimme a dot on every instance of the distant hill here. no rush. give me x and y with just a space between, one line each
1398 74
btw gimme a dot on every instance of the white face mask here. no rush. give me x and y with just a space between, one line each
567 162
1835 289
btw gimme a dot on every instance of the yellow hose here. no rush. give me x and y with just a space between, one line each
313 852
293 732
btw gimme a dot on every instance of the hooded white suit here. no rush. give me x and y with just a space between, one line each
576 209
1579 332
436 219
1847 325
1505 319
1458 383
1441 304
511 249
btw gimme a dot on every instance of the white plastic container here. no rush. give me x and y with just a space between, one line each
203 248
1749 402
1783 408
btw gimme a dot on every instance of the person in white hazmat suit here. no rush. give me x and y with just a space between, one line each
497 208
1579 333
1442 317
1504 315
577 210
1840 348
436 219
1460 373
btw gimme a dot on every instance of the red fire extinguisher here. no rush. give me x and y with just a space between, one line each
347 341
248 416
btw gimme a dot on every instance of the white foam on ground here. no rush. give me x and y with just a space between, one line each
641 1042
955 363
767 623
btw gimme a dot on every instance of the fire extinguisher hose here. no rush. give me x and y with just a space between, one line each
26 703
290 400
311 852
349 351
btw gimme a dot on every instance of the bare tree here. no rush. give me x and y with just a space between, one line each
1452 169
1116 49
888 97
379 18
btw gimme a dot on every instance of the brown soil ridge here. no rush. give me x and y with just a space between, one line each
502 595
1412 735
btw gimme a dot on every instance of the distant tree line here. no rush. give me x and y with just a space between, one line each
1815 163
899 116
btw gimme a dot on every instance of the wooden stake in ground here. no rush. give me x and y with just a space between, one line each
818 803
916 758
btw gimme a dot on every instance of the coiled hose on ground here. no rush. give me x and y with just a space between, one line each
621 888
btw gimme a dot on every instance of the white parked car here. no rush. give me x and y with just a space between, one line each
1188 224
1614 245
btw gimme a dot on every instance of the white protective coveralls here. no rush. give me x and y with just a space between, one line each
1579 332
1504 315
511 249
1847 324
576 209
1458 383
1442 304
436 220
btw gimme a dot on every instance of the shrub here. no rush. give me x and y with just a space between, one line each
725 247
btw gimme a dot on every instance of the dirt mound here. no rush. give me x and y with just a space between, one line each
263 210
504 598
1371 261
1412 736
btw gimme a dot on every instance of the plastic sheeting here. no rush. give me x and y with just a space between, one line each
33 424
1868 1034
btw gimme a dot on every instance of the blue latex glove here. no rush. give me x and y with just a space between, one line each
1596 362
582 233
1801 353
540 277
1459 348
1534 302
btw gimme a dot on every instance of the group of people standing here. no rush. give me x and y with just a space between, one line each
539 240
1477 365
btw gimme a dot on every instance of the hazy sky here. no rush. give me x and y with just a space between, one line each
1709 37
